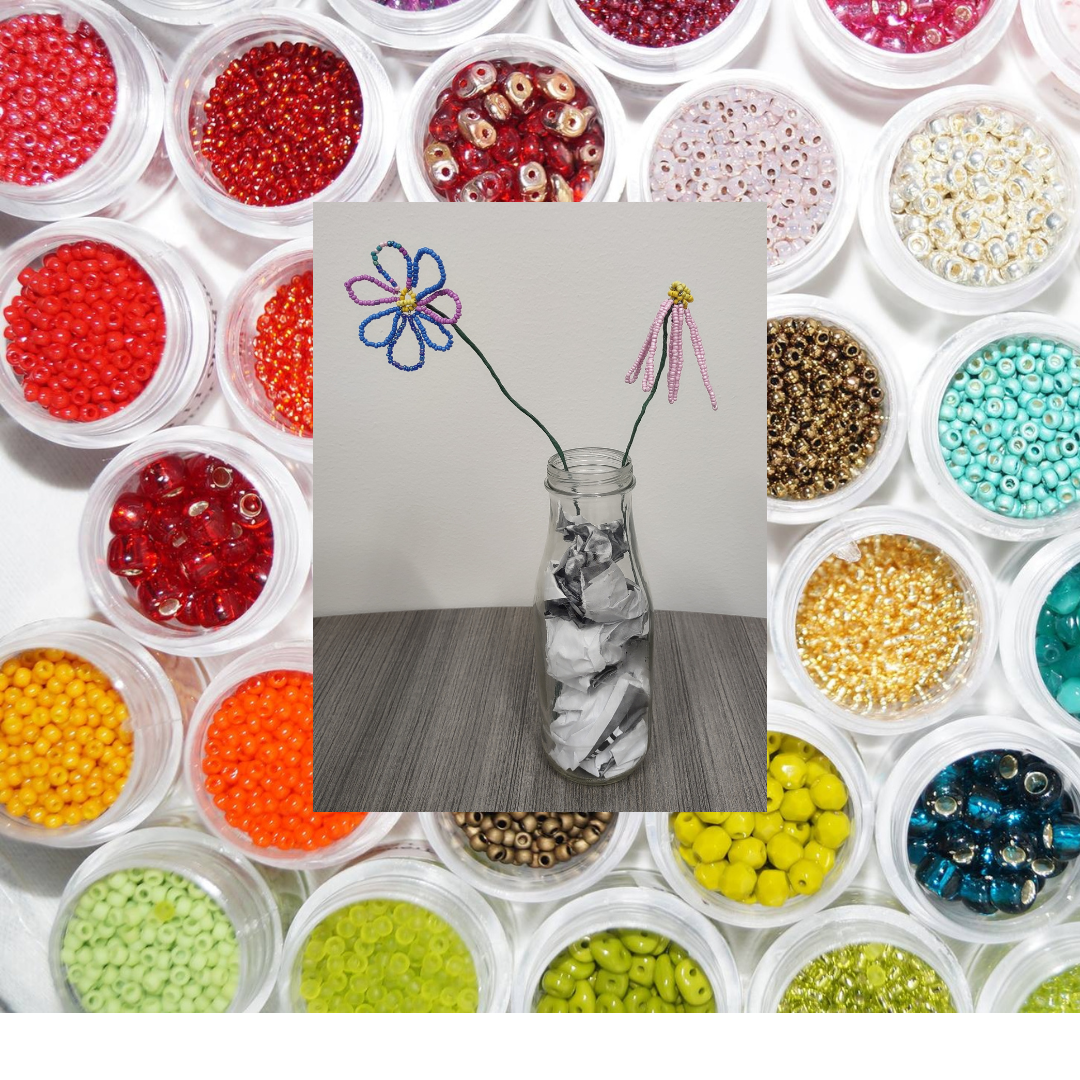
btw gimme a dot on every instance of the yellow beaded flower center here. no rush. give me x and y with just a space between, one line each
407 301
680 293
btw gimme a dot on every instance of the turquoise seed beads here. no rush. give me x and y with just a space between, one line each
1057 642
1009 427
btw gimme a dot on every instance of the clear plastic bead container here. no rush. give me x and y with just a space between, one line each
237 331
184 376
850 925
284 504
955 504
903 269
908 774
841 537
524 883
129 169
368 172
1050 55
853 60
226 877
894 406
841 751
1025 967
414 881
192 12
610 178
649 70
155 720
820 250
643 906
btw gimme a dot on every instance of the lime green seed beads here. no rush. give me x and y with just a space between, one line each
387 956
1060 994
867 978
624 971
150 941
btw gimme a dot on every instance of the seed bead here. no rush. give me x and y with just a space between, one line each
1058 994
657 24
1057 642
910 26
533 839
284 354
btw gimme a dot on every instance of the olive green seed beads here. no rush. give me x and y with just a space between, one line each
1060 994
387 956
150 941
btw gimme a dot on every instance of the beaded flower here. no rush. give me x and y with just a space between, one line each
408 307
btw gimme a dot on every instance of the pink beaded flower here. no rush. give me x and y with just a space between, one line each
678 306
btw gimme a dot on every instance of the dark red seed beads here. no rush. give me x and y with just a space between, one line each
513 132
282 121
283 354
87 331
193 539
657 24
57 98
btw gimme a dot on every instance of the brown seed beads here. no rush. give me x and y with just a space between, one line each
826 408
888 631
537 840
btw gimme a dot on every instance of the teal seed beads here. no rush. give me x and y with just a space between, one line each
1009 427
150 941
1057 642
1060 994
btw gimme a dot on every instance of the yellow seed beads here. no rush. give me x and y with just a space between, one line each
887 631
65 749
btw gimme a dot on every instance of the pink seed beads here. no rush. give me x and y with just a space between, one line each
656 24
909 26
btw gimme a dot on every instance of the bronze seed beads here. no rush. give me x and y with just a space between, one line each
826 408
532 839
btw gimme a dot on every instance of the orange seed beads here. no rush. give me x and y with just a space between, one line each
283 354
258 764
66 749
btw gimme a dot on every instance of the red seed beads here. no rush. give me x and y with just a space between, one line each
193 540
657 24
282 121
283 354
258 765
513 132
909 26
57 98
86 333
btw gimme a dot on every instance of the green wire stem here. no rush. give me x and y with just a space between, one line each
656 384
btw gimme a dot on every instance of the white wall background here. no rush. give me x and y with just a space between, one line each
431 483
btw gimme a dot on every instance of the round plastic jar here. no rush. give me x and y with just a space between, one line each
853 60
1025 967
642 906
236 362
523 883
840 537
1051 55
191 12
850 925
610 178
910 772
649 70
226 877
364 178
926 454
284 504
184 375
898 265
155 720
840 750
819 251
890 442
414 881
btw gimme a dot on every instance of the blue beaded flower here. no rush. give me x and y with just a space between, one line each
409 308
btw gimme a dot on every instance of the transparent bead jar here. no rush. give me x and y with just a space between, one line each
192 12
850 925
284 504
525 884
367 173
414 881
786 270
287 656
858 63
894 406
594 637
236 360
155 719
129 169
908 774
646 906
841 751
607 186
1026 966
226 877
648 70
184 376
959 288
1049 51
926 451
840 537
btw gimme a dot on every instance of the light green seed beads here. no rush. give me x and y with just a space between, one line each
1060 994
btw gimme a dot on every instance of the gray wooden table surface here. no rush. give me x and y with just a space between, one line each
437 710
